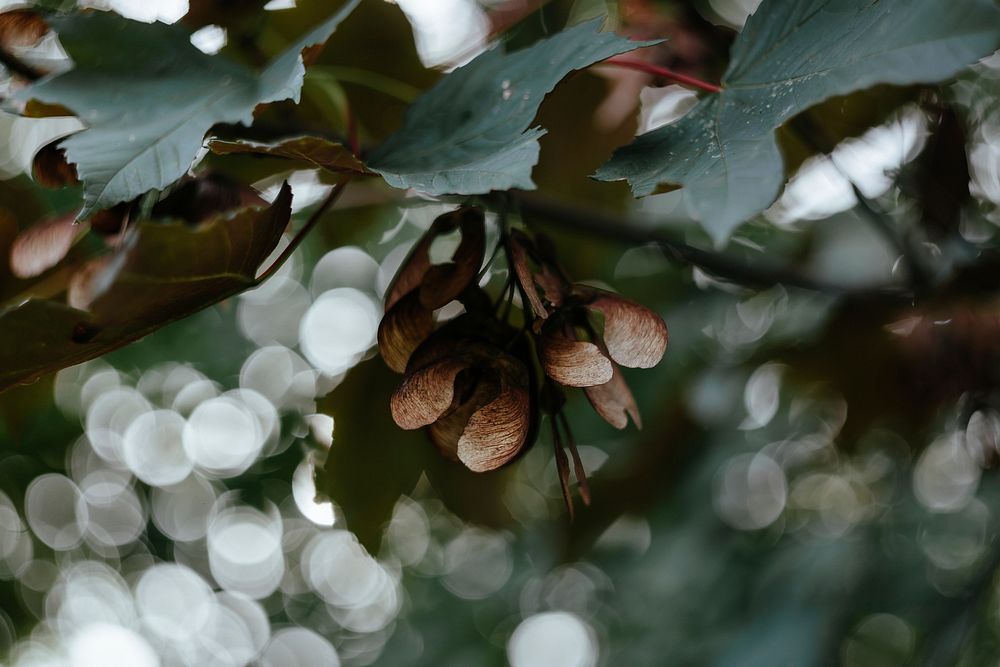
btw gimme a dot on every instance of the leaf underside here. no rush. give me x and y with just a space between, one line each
791 55
312 151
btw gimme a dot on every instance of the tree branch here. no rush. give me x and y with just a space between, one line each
720 265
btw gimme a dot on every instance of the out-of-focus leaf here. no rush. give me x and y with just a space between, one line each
163 273
313 151
372 461
469 133
200 199
147 114
477 497
791 55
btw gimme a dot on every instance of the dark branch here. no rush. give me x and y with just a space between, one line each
720 265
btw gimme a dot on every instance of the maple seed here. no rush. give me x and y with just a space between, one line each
403 328
471 383
613 401
43 245
632 336
89 282
636 336
473 396
573 363
444 284
420 286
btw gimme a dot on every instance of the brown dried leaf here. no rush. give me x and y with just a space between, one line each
614 402
42 246
635 336
497 432
196 200
313 151
162 273
573 363
403 328
425 395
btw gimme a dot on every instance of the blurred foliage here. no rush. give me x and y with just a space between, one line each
815 479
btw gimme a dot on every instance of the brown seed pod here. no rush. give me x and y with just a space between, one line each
43 245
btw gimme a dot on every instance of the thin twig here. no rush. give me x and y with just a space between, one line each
666 73
302 233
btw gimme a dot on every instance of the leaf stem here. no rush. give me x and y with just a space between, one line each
672 75
302 233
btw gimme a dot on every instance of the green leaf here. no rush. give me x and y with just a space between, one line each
148 97
314 151
372 461
164 273
791 55
469 133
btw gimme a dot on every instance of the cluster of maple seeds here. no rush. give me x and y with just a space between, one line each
474 383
